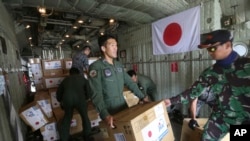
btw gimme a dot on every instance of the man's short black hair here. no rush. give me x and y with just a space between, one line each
85 47
73 71
131 73
103 39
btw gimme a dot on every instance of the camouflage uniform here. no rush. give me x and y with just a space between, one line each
107 83
207 97
81 62
231 88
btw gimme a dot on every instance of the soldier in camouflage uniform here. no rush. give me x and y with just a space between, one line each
228 79
107 79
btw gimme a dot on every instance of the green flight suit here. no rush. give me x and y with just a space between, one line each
73 93
149 87
107 82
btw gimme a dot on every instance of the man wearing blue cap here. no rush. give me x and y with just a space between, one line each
80 60
228 79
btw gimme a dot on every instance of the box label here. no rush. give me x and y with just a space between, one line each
46 107
156 130
50 132
119 137
52 65
34 117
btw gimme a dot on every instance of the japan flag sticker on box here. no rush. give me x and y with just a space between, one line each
50 132
34 117
54 101
156 130
68 64
73 123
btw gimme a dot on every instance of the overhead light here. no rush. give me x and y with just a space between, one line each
102 31
42 10
67 36
111 20
75 27
63 40
87 41
80 21
30 38
27 26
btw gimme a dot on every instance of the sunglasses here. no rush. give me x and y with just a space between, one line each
212 49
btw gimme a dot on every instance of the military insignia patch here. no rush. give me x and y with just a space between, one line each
92 73
107 72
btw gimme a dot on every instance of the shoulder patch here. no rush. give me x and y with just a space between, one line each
92 73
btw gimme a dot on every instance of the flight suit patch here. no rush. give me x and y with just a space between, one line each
107 72
92 73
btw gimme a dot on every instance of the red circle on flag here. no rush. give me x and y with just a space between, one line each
172 34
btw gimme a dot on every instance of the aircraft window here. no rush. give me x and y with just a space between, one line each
3 44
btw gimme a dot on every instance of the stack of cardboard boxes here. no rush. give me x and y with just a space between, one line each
44 112
140 122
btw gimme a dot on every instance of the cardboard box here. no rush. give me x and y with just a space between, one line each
52 68
53 82
130 98
50 131
188 134
36 70
143 122
34 60
92 114
52 94
76 122
40 86
67 63
45 106
41 95
33 116
52 64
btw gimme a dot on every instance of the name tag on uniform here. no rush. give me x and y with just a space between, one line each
119 69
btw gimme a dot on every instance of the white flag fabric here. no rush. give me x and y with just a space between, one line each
177 33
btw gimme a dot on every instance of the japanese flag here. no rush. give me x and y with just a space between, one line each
177 33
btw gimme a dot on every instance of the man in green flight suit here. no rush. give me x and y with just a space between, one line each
107 79
145 83
73 93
